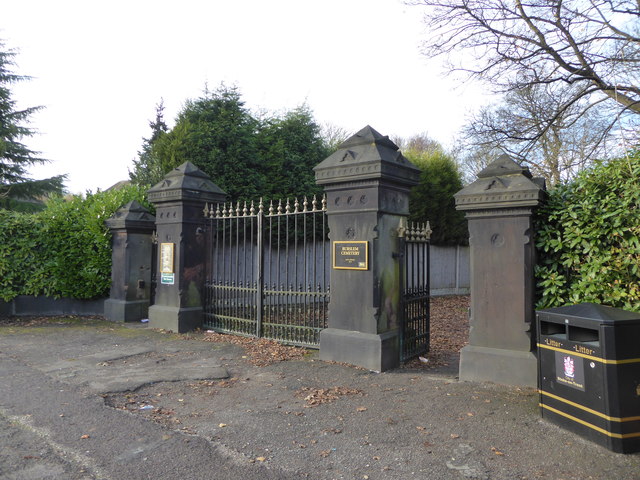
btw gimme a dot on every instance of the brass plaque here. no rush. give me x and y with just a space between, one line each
351 255
166 257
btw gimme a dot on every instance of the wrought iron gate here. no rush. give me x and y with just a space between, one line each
268 271
415 319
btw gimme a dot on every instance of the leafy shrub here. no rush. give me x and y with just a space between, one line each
63 251
588 238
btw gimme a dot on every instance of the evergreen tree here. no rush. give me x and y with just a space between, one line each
432 199
147 169
15 156
216 132
248 157
290 146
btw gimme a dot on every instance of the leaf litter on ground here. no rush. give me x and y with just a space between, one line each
319 396
260 352
449 331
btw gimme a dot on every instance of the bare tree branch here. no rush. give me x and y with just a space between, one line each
592 43
553 130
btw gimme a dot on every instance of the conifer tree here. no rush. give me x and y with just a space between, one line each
16 157
147 168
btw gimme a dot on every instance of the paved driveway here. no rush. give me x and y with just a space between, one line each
90 400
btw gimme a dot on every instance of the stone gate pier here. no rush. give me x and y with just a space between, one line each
499 206
367 183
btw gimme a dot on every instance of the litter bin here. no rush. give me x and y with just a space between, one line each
589 372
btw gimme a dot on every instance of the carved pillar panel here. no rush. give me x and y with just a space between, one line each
499 206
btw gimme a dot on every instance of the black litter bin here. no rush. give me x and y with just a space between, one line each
589 372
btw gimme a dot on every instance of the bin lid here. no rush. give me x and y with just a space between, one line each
593 311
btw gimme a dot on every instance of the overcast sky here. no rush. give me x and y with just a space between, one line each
100 68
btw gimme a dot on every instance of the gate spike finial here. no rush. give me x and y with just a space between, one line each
218 212
305 204
271 208
280 206
314 203
245 210
324 202
252 210
261 207
402 227
296 206
206 210
287 207
427 230
238 208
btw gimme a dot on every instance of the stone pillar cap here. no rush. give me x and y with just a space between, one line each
502 184
185 182
367 155
131 216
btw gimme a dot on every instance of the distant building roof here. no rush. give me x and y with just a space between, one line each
118 185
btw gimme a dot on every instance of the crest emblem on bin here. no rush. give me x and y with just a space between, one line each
569 367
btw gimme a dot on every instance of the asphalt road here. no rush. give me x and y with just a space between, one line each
93 400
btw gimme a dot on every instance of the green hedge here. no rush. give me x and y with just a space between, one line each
63 251
588 238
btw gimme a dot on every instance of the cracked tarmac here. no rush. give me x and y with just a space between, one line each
85 400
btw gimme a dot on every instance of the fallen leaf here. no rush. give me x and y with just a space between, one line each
361 409
260 459
453 435
222 425
496 451
325 453
84 437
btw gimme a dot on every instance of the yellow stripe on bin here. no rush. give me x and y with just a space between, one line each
590 357
589 410
587 424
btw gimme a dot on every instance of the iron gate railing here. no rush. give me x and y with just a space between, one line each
268 271
415 319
